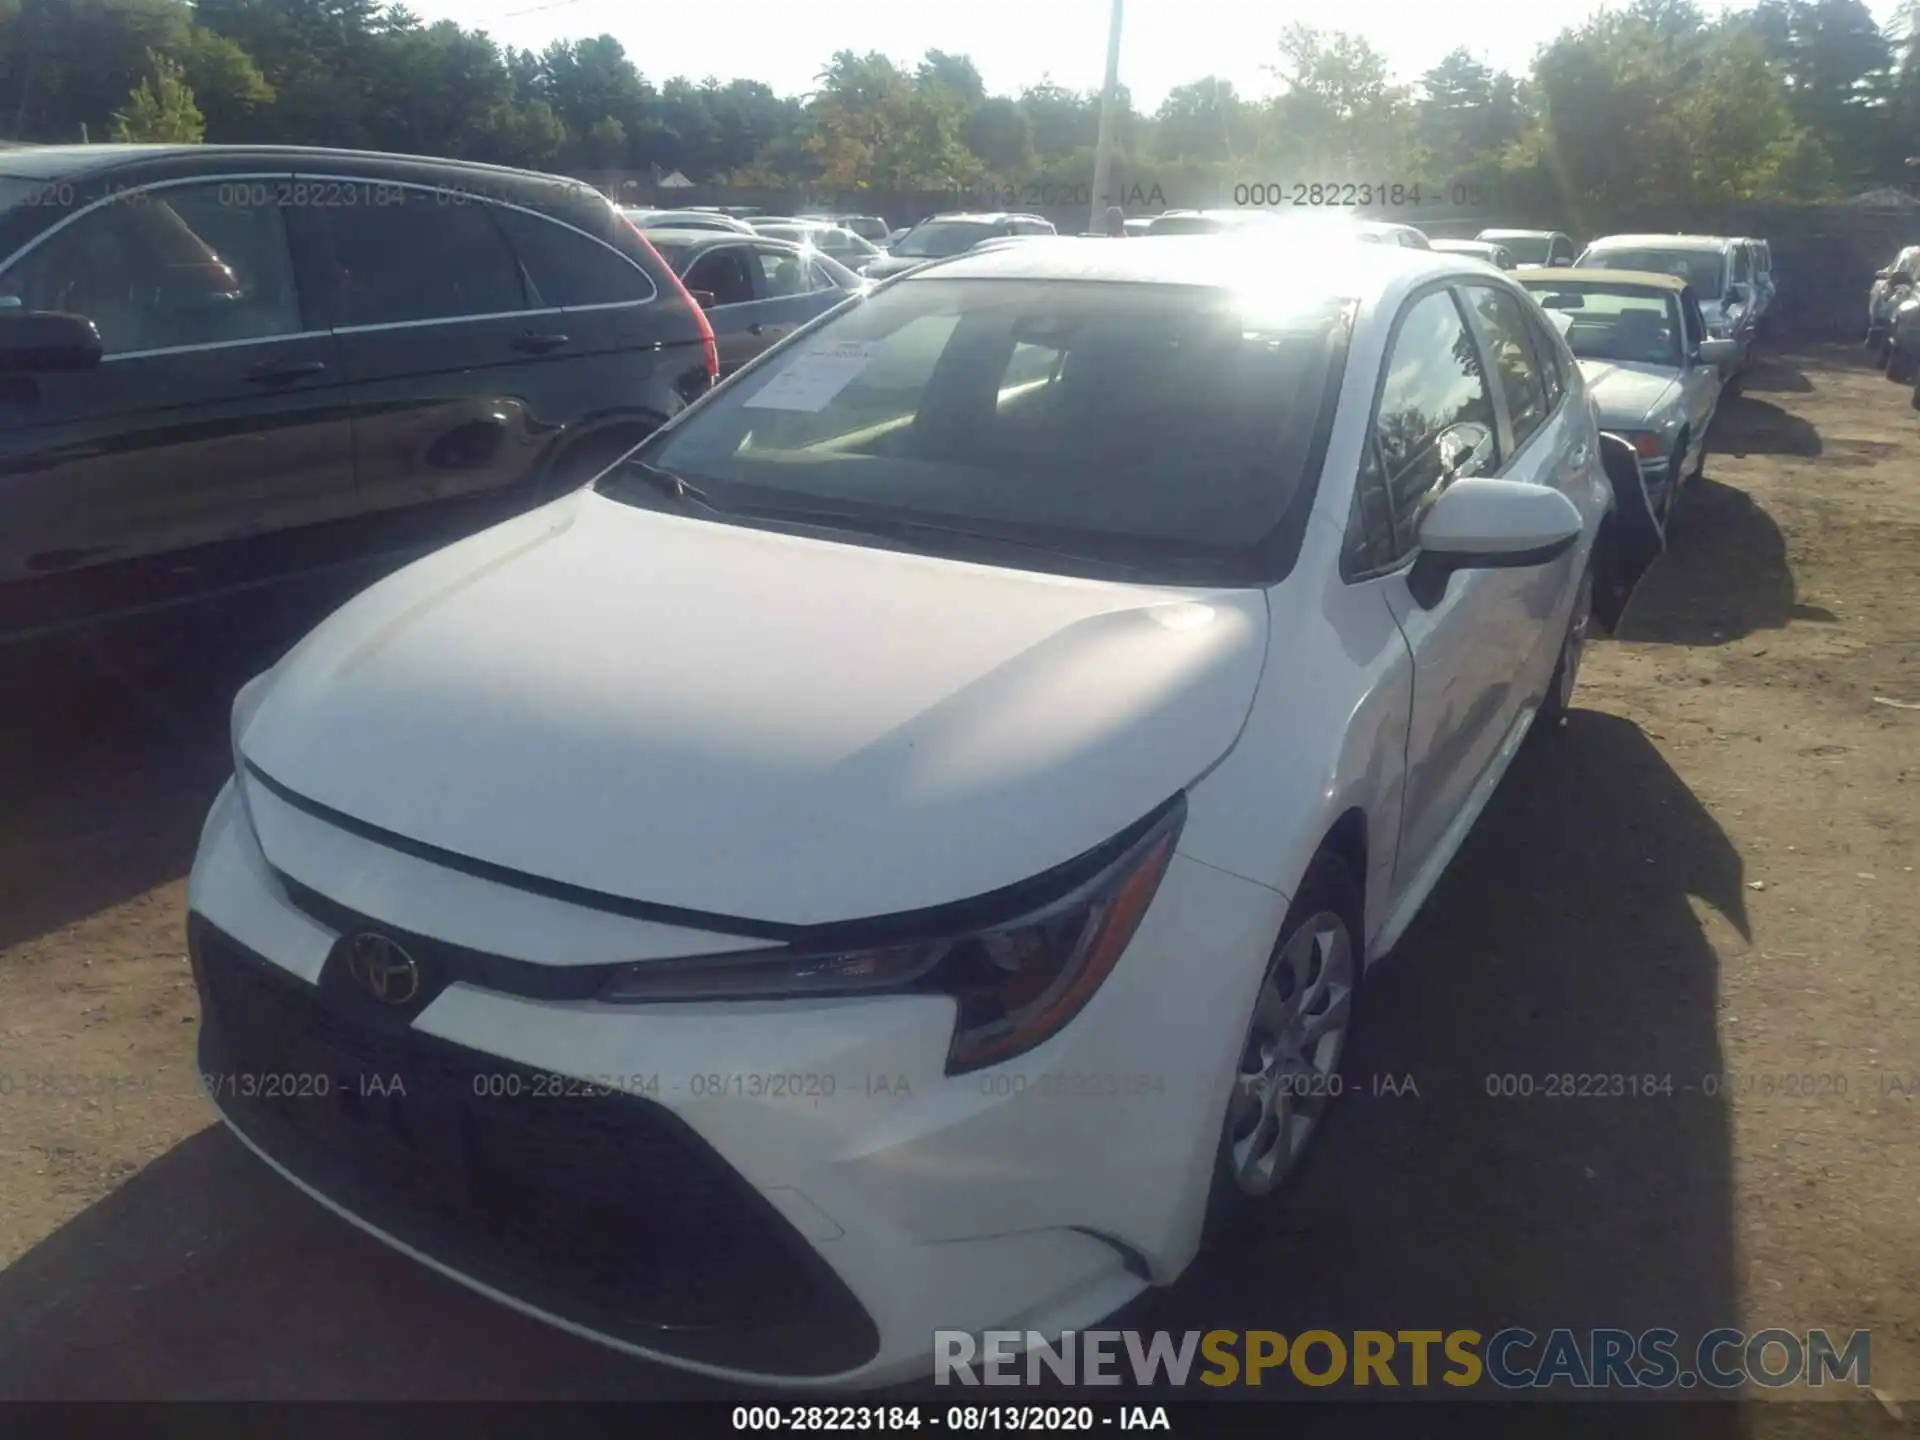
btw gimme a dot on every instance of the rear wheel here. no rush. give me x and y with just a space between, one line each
1900 366
1288 1072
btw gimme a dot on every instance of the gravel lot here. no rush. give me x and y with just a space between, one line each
1708 872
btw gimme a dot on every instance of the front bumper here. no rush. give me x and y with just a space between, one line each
789 1192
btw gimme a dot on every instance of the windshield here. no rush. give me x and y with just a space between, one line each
1525 249
939 238
1701 269
1635 327
1165 429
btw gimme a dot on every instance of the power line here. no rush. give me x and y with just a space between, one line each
536 9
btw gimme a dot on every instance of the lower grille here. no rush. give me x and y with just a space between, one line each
605 1210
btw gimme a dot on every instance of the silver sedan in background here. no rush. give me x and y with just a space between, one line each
1496 255
1650 365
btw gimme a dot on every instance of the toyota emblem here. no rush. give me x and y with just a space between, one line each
382 969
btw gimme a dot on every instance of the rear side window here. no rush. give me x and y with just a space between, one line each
565 268
1433 382
1503 323
723 274
779 274
429 259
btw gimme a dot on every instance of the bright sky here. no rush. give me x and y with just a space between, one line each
1164 43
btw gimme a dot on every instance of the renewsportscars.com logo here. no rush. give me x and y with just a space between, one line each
1510 1359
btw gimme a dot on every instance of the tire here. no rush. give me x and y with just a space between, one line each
1317 960
1566 671
1900 366
1914 399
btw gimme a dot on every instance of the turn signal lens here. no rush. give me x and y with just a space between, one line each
1646 444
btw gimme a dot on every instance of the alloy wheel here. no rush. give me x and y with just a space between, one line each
1290 1068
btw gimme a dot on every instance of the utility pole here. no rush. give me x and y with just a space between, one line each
1109 102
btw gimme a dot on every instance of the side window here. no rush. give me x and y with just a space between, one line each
818 278
723 274
1695 321
779 274
1369 543
157 269
1510 347
429 259
1547 350
1433 383
565 268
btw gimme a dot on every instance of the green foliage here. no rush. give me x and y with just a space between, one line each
160 109
1649 106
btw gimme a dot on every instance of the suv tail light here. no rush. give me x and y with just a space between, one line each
709 347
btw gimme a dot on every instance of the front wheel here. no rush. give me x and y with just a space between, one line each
1573 647
1288 1072
1900 366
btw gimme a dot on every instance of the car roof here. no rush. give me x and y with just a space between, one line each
1594 275
1350 268
1660 242
1518 234
983 217
47 162
700 235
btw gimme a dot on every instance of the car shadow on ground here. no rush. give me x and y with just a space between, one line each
1744 425
1561 951
115 745
1774 375
1724 576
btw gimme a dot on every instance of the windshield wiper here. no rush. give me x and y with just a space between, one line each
891 528
665 482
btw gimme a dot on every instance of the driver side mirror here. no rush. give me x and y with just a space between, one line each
47 342
1485 524
1714 352
705 299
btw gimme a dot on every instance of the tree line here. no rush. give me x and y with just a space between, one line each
1793 100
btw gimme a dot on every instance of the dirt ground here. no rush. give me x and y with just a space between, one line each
1709 872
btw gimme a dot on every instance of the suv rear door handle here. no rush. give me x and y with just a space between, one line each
539 342
274 372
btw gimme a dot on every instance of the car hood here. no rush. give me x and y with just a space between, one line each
1628 393
748 724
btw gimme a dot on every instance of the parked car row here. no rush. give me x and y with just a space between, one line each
1893 320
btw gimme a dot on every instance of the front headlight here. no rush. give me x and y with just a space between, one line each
1017 981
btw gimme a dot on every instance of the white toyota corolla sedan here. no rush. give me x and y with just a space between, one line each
898 851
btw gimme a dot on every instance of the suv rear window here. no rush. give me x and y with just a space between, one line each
1164 426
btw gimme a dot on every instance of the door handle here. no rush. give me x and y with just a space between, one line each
273 372
538 342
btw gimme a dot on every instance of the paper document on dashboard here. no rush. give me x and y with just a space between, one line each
814 376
